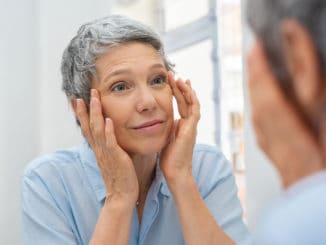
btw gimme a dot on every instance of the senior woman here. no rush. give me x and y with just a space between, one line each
138 178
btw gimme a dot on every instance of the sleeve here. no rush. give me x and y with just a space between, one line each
43 222
217 185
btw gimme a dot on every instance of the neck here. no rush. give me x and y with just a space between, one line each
294 175
310 156
145 169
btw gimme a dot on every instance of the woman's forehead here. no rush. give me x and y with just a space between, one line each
130 55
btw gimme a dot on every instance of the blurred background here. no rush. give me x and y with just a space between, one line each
207 40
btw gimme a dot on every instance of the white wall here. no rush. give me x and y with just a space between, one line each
142 10
18 107
262 181
59 21
34 112
35 115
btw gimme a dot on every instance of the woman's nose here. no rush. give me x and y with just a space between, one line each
146 100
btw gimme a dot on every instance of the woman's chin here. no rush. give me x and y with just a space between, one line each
146 148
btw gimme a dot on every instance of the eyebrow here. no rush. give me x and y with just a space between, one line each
128 71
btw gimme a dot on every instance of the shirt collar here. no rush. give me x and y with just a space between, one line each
159 177
94 175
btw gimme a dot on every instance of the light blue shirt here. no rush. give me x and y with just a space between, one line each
298 217
63 194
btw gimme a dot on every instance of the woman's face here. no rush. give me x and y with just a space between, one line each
135 94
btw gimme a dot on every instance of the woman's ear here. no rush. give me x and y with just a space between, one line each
302 63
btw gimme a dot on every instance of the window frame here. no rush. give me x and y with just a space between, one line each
206 28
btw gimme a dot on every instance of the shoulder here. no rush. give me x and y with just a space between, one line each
54 160
50 179
210 167
206 150
299 214
210 160
51 168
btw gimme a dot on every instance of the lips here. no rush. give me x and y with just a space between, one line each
148 124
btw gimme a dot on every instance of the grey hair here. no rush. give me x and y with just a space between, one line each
265 17
95 38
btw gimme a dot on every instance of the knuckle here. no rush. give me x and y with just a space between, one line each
92 124
109 144
96 129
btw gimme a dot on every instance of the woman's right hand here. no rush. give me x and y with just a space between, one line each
116 166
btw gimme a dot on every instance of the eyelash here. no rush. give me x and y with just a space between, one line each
116 85
163 79
126 87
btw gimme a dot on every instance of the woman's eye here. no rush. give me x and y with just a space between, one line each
158 81
119 87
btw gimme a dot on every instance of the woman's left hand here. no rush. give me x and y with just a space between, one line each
176 165
176 157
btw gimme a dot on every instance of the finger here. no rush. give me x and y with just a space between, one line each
195 107
186 90
191 99
181 102
111 141
188 82
194 117
173 132
189 128
96 117
83 118
115 153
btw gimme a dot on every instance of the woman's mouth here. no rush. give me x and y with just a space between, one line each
150 127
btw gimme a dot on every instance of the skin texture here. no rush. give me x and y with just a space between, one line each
133 88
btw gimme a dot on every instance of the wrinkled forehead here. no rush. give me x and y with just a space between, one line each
130 52
131 58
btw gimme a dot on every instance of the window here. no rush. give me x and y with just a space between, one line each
182 12
202 81
191 43
203 39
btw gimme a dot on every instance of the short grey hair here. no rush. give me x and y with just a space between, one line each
95 38
265 17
